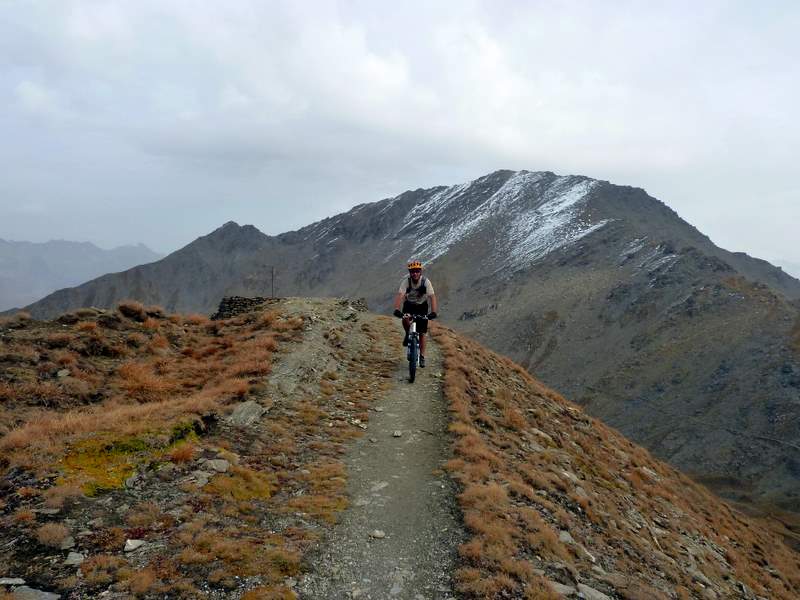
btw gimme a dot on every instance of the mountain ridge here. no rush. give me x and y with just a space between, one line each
30 270
601 290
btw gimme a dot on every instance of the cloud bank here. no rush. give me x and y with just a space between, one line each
155 121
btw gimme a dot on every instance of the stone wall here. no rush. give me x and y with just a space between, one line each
236 305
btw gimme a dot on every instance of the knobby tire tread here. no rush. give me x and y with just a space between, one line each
412 358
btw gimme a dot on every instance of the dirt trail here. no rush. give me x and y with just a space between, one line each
399 536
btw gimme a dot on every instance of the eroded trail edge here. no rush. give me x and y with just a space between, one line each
399 536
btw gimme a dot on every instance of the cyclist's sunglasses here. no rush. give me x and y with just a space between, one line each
415 270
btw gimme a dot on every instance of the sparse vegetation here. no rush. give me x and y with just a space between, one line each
132 310
141 404
533 468
52 534
246 503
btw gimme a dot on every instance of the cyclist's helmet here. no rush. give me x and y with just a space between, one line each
415 264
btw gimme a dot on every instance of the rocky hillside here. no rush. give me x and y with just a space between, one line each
601 290
30 271
549 492
147 454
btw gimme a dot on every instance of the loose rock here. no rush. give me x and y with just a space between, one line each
591 594
560 588
201 477
68 543
220 465
131 545
74 559
246 413
377 534
27 593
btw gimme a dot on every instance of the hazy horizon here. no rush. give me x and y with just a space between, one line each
156 123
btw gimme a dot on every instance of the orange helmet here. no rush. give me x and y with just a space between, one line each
415 264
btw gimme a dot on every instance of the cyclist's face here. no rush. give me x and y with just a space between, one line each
415 273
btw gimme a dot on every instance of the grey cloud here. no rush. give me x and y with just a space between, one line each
281 113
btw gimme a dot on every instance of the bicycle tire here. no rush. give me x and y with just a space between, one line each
413 351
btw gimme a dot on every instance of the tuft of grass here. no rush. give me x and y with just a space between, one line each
143 582
242 483
132 310
182 453
52 534
142 384
58 340
103 569
62 495
86 326
24 516
196 319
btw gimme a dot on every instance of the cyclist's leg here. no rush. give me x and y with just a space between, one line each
408 309
406 321
422 327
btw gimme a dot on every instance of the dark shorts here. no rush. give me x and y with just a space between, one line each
417 309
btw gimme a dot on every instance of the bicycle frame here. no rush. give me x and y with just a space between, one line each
413 347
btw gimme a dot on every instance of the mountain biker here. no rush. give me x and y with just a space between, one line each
414 293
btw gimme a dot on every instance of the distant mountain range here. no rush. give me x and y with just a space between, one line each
601 290
29 271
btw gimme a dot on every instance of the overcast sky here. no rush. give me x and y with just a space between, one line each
157 121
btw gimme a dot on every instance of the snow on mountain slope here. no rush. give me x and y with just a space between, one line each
530 215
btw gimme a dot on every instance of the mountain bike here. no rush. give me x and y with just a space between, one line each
413 346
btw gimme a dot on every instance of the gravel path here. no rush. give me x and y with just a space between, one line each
399 536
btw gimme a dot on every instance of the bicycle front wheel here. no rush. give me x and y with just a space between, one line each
413 354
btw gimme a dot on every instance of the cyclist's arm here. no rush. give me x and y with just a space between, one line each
398 300
434 303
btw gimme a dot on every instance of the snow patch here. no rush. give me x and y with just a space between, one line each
530 215
551 225
633 247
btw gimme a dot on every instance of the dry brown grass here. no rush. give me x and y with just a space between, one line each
62 495
144 514
102 569
183 453
132 310
142 384
143 582
24 515
586 480
86 326
52 534
196 319
58 340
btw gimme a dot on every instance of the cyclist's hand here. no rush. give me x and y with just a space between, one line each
432 315
398 313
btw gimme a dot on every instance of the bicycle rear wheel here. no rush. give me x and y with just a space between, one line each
413 354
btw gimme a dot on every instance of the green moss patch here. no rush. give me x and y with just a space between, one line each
103 462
